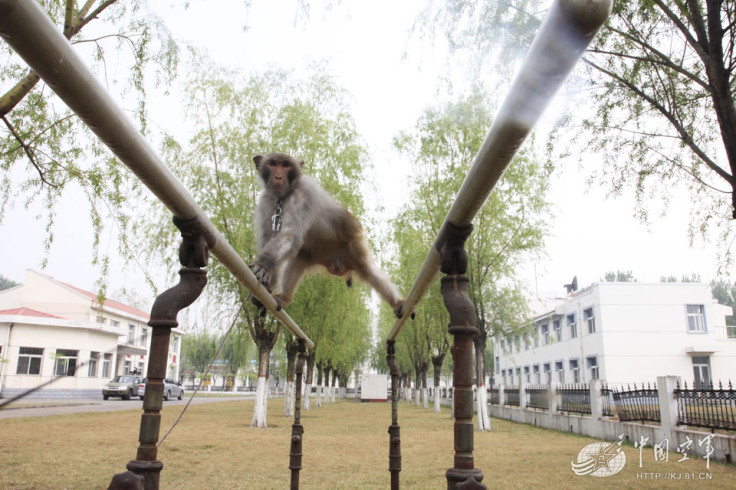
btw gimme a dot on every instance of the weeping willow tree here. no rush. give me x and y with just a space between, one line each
508 228
234 117
46 152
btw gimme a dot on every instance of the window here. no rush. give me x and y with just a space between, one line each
557 327
517 343
545 334
592 364
29 360
701 372
114 323
131 334
106 363
526 342
94 358
66 362
535 369
560 369
498 364
572 326
547 372
589 319
695 319
536 336
518 374
144 337
574 370
127 367
527 375
101 320
731 332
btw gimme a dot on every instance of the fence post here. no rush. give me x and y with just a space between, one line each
297 430
522 396
552 396
394 430
463 327
193 256
667 402
596 401
501 395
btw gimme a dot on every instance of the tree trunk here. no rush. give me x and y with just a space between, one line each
479 341
437 364
261 404
417 385
320 374
425 401
310 376
292 349
407 388
334 385
265 340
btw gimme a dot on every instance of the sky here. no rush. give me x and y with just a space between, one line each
392 77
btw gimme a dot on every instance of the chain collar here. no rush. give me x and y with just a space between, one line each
276 217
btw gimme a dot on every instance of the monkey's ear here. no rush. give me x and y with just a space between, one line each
257 160
301 163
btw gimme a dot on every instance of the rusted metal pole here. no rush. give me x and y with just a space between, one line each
297 430
394 430
193 256
454 287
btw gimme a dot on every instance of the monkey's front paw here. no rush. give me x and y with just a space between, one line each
263 274
399 311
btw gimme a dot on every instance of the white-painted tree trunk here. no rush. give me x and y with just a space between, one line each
437 400
261 404
307 396
332 394
289 399
417 397
425 401
484 422
319 395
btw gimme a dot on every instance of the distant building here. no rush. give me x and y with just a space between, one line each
623 333
49 328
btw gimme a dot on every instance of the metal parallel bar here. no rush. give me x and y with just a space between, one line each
566 31
32 34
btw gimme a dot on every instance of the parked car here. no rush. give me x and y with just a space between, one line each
124 386
171 388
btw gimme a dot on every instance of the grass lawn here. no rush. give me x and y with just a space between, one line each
345 446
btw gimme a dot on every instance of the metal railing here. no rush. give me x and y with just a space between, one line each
637 404
566 31
30 32
707 407
537 397
513 398
574 398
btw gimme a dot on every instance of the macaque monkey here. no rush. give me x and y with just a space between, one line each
299 226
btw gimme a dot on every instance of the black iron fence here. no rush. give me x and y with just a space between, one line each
512 396
537 397
574 398
637 404
707 406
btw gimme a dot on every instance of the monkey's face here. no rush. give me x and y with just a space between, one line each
278 171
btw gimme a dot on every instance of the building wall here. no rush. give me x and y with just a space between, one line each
81 326
51 337
641 331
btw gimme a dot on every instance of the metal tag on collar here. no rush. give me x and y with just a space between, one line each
276 218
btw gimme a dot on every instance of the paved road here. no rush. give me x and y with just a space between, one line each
40 408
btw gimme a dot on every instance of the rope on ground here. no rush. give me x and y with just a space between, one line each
217 353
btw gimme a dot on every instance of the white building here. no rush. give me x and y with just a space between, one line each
49 328
623 333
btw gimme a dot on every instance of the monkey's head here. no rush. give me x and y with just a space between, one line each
279 172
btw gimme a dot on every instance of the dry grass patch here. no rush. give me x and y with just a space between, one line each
345 446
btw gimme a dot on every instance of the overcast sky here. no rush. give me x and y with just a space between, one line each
364 44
